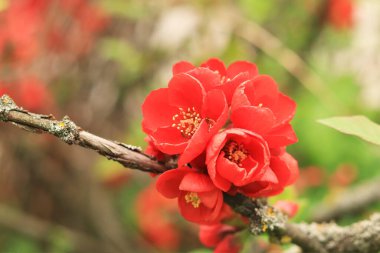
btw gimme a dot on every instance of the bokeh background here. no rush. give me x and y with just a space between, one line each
96 61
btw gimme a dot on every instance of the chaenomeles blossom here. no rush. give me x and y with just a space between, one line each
258 106
239 160
290 208
228 79
182 118
340 13
155 219
199 200
221 237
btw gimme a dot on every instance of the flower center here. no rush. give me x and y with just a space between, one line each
187 121
235 152
193 198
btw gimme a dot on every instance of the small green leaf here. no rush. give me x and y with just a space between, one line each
359 126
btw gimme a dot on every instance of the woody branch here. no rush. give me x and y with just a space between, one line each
363 237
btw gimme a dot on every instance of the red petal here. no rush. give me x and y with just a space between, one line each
286 168
240 98
260 189
265 91
169 140
196 144
237 175
157 100
196 182
202 214
230 86
209 199
269 176
168 182
256 119
181 67
229 244
208 78
284 109
215 65
282 136
186 92
242 66
215 105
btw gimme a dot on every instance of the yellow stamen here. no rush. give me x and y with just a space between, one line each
193 198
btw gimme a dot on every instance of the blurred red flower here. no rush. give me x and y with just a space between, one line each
221 237
155 219
340 13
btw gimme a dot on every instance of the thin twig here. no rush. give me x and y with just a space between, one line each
349 202
66 130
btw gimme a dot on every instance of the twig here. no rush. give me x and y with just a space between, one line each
360 237
350 201
66 130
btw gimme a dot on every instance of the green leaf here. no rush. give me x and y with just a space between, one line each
359 126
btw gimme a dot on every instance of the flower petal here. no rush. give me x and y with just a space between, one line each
215 65
286 168
186 92
282 136
242 66
253 118
196 182
169 140
181 67
208 78
196 144
157 100
284 109
168 182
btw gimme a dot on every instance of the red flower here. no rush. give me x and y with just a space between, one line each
154 217
182 118
236 157
340 13
33 94
228 78
288 207
240 160
219 236
282 171
199 200
258 106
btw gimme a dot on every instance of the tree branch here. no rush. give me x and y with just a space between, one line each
66 130
350 201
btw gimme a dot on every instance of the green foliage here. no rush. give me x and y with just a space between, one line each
359 126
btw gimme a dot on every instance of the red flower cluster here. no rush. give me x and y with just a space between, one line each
30 92
29 27
229 128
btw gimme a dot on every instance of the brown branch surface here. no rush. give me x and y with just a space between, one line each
361 237
66 130
348 202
